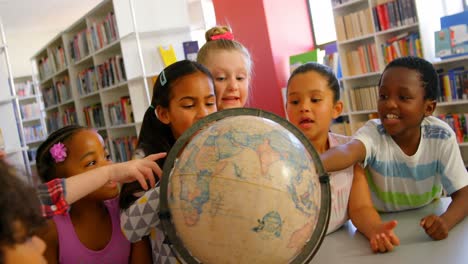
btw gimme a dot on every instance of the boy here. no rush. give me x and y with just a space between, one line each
20 217
410 154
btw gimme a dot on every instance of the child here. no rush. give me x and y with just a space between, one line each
90 233
313 102
410 154
231 65
19 220
183 94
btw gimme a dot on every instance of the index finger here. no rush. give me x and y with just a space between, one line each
155 157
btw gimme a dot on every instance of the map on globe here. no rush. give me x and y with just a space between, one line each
244 190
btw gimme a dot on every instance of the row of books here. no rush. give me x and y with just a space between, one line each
29 111
94 116
459 123
354 25
102 33
58 93
79 46
57 120
111 72
406 44
52 62
44 65
59 62
24 88
32 153
363 98
86 81
124 148
120 112
362 60
394 13
453 85
33 133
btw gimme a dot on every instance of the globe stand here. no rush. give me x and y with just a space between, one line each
313 243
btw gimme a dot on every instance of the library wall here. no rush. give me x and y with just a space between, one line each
271 41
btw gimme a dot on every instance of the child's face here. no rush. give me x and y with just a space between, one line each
29 251
231 77
192 98
86 151
310 105
401 103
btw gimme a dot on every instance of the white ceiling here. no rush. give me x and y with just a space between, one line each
30 24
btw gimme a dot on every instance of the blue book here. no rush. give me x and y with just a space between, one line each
190 50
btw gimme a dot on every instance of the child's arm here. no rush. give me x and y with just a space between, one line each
50 236
141 170
343 156
365 217
141 252
438 227
57 195
151 200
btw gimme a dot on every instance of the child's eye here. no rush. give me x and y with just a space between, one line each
315 100
240 78
91 163
294 102
188 106
210 104
403 97
220 79
382 97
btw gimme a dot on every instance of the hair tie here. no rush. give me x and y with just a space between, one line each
162 78
58 152
226 35
151 106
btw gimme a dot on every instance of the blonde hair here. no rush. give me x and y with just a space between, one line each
222 44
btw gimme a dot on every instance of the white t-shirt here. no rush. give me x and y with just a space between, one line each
398 181
340 185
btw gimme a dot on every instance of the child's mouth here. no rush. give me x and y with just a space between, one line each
392 116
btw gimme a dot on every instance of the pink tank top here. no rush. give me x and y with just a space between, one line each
72 251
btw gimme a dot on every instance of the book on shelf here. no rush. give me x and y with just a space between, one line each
168 54
363 98
190 50
94 116
453 84
354 25
302 58
362 60
405 44
104 32
394 13
124 148
458 122
86 81
24 88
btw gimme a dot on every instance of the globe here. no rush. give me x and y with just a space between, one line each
244 186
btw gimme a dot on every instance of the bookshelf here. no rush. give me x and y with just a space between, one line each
370 33
11 127
32 117
98 71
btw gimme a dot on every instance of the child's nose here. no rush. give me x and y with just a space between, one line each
233 84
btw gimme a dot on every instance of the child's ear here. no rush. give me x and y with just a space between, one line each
430 107
162 114
337 109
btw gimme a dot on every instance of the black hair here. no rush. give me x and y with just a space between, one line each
323 70
428 74
19 207
44 161
155 136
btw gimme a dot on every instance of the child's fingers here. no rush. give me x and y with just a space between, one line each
387 244
390 225
374 245
395 240
381 244
155 157
428 222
